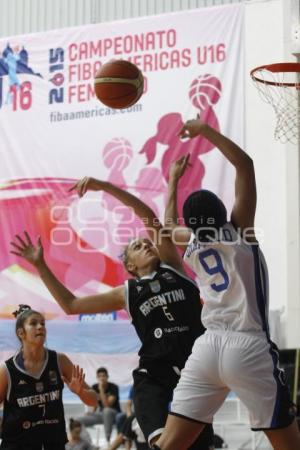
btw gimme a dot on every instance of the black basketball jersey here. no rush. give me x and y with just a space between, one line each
33 408
165 309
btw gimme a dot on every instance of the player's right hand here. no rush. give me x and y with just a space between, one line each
86 184
24 247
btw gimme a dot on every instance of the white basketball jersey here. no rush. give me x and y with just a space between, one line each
233 279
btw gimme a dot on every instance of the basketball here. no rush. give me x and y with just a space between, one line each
205 91
119 84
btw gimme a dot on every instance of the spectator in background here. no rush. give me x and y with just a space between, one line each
130 430
75 440
108 411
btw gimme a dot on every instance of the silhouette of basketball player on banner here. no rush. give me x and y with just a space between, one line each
204 93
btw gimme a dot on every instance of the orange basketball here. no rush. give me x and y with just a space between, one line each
119 84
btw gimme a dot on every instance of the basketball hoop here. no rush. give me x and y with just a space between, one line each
279 85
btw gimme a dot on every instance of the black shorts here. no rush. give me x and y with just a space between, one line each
152 395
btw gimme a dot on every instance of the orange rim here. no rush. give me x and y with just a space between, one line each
276 68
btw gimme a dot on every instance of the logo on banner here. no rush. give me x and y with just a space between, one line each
14 62
56 67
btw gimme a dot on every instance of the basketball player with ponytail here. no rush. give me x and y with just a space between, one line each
162 302
236 352
31 384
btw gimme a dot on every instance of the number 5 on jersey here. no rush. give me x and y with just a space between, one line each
167 313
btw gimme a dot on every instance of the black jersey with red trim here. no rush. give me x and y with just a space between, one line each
165 309
33 408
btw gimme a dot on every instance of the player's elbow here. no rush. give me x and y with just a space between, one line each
246 164
71 307
249 161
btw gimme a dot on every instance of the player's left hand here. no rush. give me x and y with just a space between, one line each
77 380
178 167
23 246
86 184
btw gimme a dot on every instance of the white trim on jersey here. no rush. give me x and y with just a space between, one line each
8 381
127 299
150 276
58 365
176 370
36 377
154 434
166 266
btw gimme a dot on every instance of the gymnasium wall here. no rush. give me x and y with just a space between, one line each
28 16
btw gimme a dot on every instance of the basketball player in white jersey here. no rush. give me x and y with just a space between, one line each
236 352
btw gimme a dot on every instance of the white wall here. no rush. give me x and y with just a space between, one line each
276 166
291 16
264 45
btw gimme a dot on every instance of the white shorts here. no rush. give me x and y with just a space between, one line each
244 363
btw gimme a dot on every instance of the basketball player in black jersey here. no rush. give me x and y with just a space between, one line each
163 303
31 384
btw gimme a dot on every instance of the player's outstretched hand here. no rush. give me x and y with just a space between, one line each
86 184
77 380
178 167
191 128
24 247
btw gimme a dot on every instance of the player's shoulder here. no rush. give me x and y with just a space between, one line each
7 362
172 275
4 382
3 367
4 376
53 353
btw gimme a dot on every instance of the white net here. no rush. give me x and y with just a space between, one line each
281 89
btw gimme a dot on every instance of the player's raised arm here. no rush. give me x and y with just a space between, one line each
180 234
243 212
112 300
162 240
